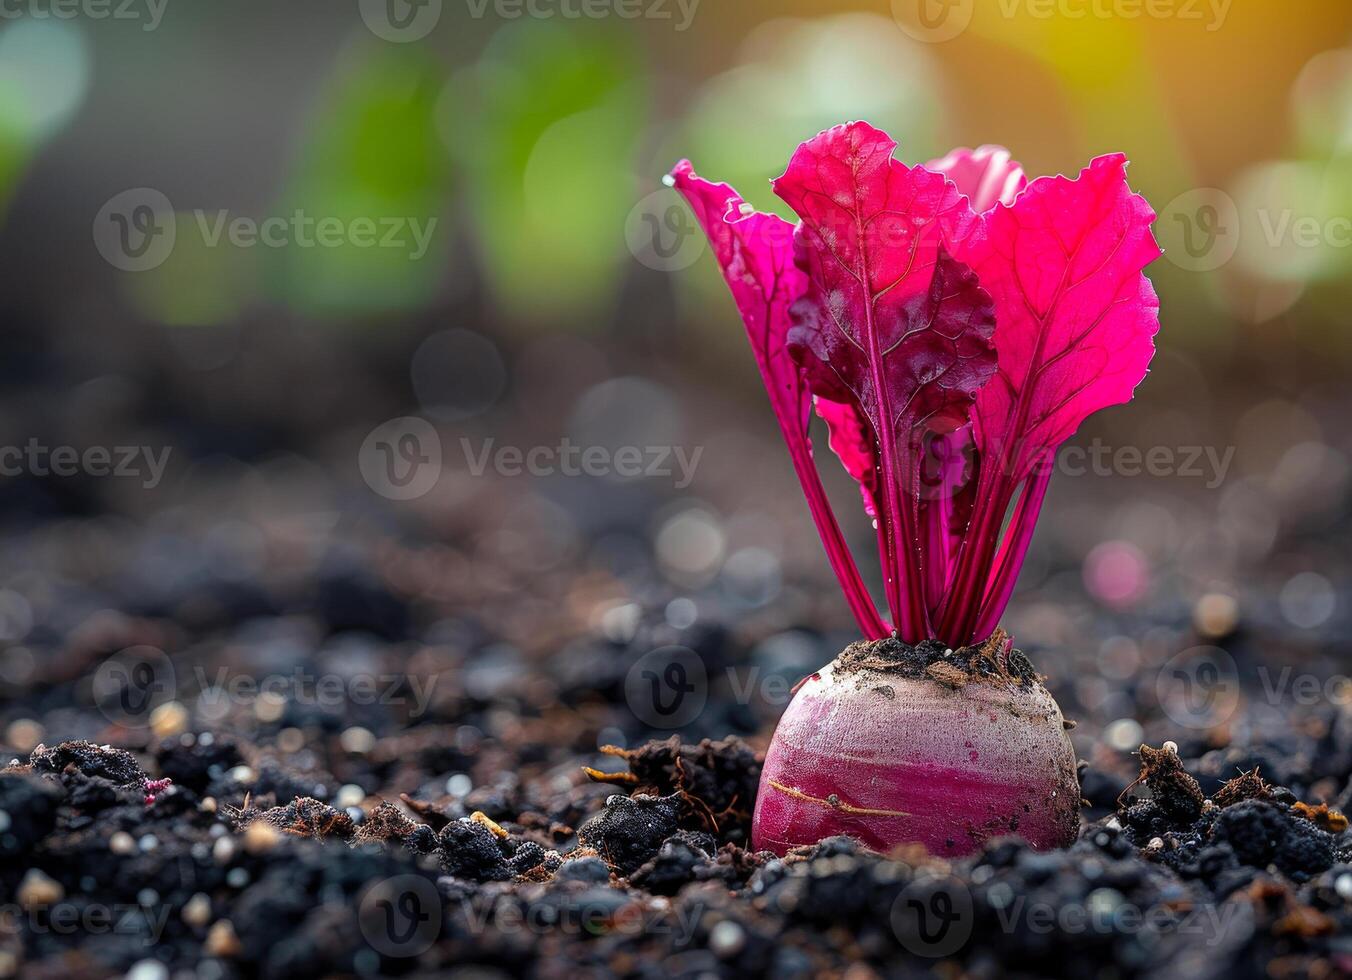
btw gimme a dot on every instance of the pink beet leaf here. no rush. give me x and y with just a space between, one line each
954 324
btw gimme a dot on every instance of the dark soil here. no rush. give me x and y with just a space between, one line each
651 883
387 753
994 660
291 842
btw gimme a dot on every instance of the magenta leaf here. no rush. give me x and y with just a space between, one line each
853 442
1077 316
890 320
1076 321
755 252
887 304
987 175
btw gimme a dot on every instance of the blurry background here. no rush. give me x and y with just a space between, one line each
539 284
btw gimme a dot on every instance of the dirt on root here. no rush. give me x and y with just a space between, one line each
993 661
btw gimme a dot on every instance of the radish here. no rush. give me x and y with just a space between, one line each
952 324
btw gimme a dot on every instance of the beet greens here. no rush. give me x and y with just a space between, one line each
952 324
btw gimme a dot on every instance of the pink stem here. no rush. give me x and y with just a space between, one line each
934 517
975 556
1014 548
828 528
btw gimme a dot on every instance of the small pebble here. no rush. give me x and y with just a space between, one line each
350 795
260 837
291 740
122 843
25 734
221 939
1343 886
357 740
197 910
726 939
38 890
169 719
223 850
1124 734
1215 615
148 970
270 707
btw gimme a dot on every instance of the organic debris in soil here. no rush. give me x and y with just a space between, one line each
1176 793
716 781
1171 884
994 660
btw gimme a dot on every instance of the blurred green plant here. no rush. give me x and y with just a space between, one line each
545 128
44 75
794 78
798 77
371 153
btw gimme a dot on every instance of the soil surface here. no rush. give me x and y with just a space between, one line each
995 660
488 829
